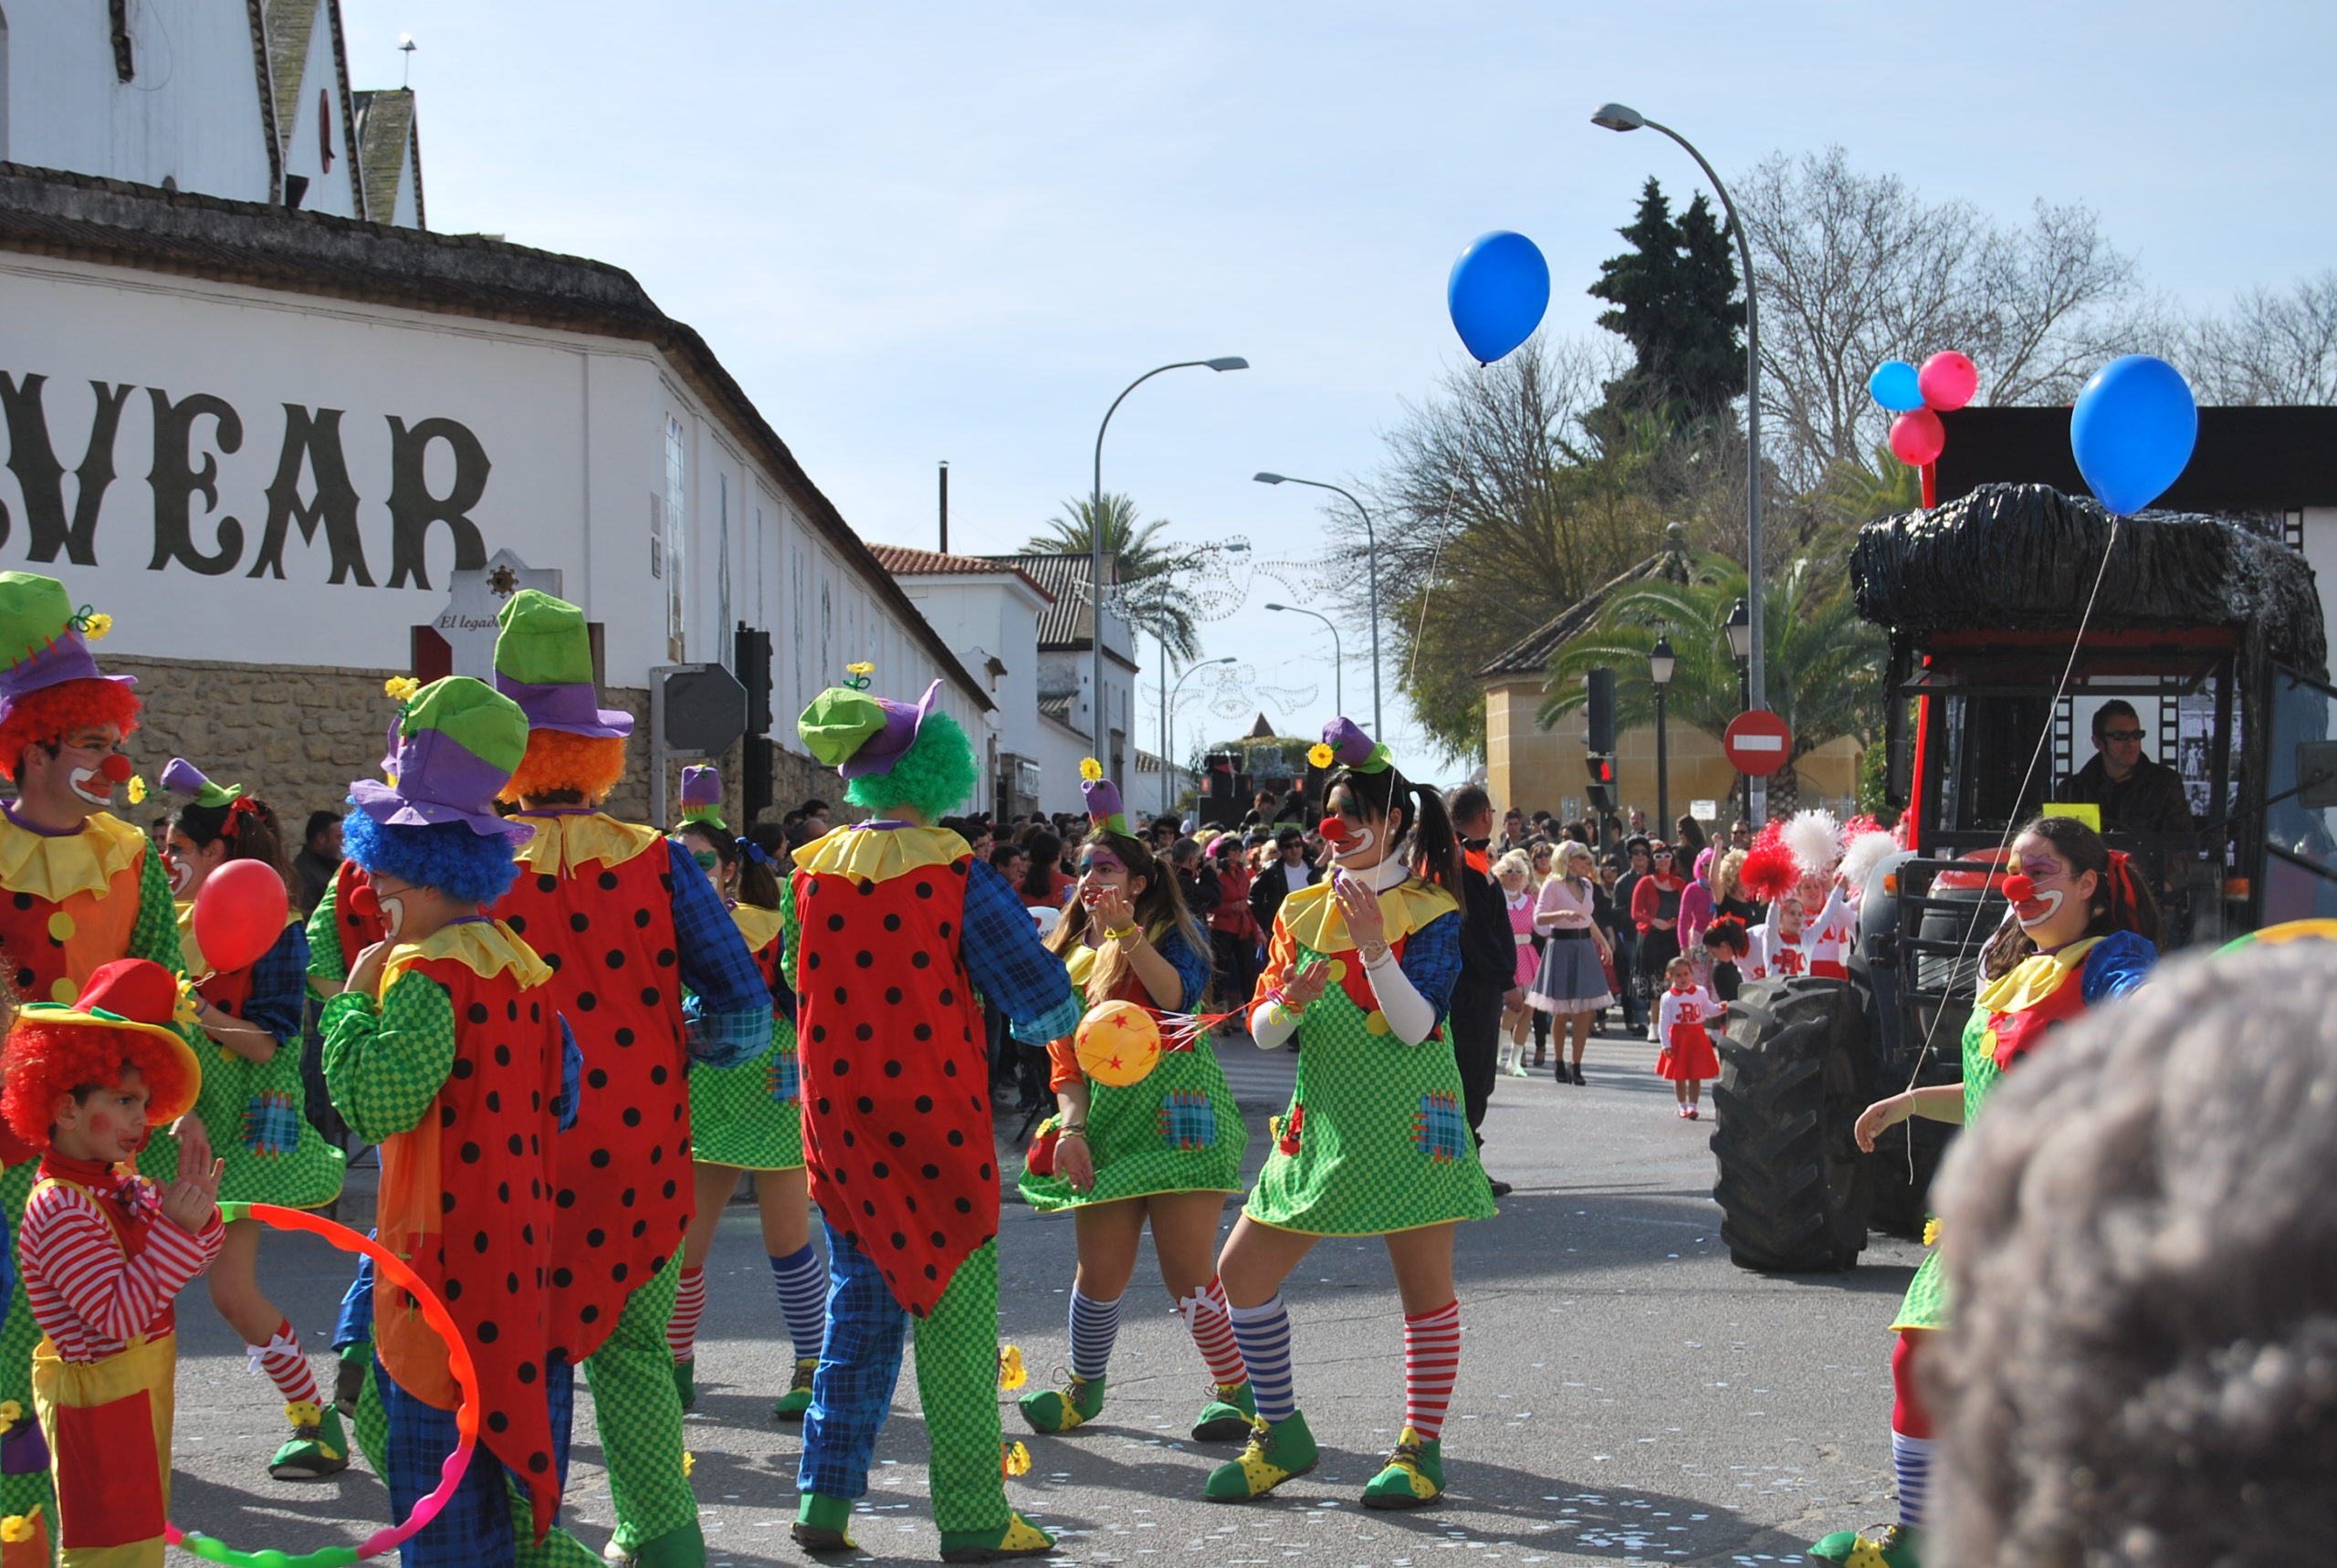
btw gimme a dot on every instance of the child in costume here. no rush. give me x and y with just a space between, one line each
2080 930
1687 1057
1514 871
446 1049
626 933
896 1124
1376 1141
83 889
1727 944
251 1111
749 1117
1164 1150
105 1250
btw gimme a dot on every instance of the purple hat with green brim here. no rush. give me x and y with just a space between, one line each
857 734
544 662
458 743
42 638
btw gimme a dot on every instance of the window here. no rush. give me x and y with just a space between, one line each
722 638
799 622
677 512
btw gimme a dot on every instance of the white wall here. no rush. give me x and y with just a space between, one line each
192 112
571 430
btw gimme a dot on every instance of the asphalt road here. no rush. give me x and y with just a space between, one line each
1626 1393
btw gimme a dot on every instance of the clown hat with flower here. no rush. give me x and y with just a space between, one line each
889 753
1102 797
49 684
1344 745
123 1018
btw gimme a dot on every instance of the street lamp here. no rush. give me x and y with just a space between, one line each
1235 547
1168 763
1338 692
1103 725
1739 627
1660 663
1621 117
1371 557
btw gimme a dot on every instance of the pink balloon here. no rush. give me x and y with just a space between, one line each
1947 380
238 914
1917 438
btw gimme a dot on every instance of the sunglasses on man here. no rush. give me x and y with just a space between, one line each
2122 734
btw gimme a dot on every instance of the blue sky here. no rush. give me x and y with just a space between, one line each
926 232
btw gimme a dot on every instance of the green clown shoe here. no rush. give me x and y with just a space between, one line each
1228 1415
316 1447
1078 1402
1020 1538
686 1383
798 1397
822 1524
1277 1450
1413 1476
1899 1546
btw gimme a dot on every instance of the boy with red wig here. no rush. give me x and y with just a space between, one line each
83 889
104 1251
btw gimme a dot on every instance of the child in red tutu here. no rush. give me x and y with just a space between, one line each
1688 1058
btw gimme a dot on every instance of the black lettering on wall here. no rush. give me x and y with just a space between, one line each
176 481
40 475
413 508
316 435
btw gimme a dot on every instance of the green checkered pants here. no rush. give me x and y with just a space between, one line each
639 1413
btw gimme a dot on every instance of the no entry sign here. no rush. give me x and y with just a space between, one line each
1758 742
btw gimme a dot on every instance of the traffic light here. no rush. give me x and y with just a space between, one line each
1601 766
1598 709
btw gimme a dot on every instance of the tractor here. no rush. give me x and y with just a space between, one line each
2012 613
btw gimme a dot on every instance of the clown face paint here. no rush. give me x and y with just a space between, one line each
2052 885
1354 844
1100 872
95 782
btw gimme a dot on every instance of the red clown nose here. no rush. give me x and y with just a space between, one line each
2020 888
115 769
1334 830
364 902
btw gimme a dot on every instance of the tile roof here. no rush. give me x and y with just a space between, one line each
290 25
1531 654
906 560
387 153
1064 624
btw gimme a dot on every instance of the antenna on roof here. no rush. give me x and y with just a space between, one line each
944 505
405 47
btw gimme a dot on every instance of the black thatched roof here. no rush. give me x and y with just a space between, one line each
2023 558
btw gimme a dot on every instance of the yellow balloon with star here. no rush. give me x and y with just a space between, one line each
1119 1044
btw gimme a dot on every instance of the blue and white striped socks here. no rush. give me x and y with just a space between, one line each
1263 1335
802 1280
1093 1326
1911 1464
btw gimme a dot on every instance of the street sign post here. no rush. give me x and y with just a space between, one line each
1758 742
695 710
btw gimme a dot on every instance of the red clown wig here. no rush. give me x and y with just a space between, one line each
44 1061
45 716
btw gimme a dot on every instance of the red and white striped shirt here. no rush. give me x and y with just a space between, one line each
87 1294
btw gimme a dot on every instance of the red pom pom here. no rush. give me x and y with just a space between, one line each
1769 872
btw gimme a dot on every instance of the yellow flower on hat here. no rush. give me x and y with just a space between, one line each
95 627
1090 769
401 688
1320 754
137 791
861 668
1010 1372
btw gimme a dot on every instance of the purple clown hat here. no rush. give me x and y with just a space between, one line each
858 733
1102 796
44 641
702 797
1344 745
459 742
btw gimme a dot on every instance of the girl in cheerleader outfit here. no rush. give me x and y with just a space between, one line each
253 1107
1687 1058
1376 1141
2080 930
1515 874
748 1118
1161 1152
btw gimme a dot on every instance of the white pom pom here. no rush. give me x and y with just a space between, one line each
1867 851
1816 840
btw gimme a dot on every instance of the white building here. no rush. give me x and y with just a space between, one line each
263 439
1067 676
250 101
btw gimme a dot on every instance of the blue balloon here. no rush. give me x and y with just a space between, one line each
1498 290
1895 386
2133 431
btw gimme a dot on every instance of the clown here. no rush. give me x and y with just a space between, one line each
85 889
627 925
2080 930
1360 971
890 925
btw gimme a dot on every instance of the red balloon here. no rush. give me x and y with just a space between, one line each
239 912
1947 380
1917 438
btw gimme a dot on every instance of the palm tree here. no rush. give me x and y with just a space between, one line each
1143 567
1824 675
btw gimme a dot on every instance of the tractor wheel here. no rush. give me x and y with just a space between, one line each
1901 1192
1796 1071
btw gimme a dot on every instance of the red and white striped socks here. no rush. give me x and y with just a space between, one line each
1432 1360
689 1305
286 1366
1210 1322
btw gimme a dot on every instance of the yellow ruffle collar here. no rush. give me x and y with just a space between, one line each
879 855
2033 978
560 844
486 947
54 870
755 924
1312 918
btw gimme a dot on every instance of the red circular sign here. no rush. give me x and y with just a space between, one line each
1758 742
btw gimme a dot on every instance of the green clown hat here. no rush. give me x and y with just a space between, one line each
44 641
857 732
455 744
544 662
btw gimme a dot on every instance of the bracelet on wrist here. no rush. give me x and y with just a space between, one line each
1124 932
1079 1131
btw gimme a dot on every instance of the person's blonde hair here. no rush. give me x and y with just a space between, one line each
1728 875
1515 861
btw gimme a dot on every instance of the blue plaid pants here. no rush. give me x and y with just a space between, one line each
485 1523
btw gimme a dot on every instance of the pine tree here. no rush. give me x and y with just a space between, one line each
1673 294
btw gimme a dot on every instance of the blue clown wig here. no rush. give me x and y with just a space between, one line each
476 867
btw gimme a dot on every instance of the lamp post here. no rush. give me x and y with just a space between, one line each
1660 663
1621 117
1169 762
1338 691
1371 559
1103 725
1232 549
1739 627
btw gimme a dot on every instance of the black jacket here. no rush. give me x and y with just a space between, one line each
1267 890
1488 954
2150 800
